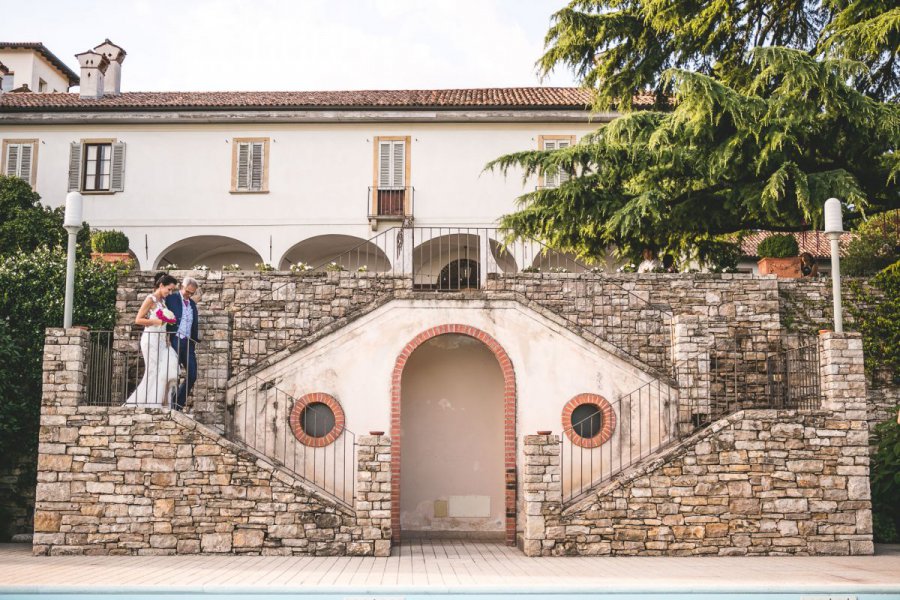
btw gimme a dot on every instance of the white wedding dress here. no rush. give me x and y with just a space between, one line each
157 388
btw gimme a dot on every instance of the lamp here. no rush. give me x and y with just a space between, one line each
834 227
72 223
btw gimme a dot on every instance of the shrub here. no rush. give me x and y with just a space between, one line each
876 245
778 246
31 299
26 224
109 241
886 482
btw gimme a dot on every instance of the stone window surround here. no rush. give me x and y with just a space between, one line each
608 426
297 411
509 418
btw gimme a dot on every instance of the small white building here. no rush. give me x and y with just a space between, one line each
30 66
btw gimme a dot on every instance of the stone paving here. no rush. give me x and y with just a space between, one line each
447 566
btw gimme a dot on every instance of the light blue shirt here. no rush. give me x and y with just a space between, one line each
187 319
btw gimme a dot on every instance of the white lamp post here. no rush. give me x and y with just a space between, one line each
72 224
833 229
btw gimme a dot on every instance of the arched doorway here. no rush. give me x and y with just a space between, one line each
455 389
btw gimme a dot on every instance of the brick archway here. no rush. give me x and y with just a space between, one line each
509 418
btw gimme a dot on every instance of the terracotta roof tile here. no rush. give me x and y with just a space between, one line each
486 98
814 242
45 52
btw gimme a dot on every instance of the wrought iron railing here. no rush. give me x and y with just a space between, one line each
607 442
395 203
792 378
267 419
118 374
712 383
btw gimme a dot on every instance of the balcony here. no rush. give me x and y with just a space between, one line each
390 204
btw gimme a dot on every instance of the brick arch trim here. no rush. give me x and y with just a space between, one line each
509 419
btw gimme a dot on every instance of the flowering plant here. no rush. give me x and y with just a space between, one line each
231 267
200 268
301 267
165 315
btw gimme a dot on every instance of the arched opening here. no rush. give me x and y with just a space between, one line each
459 274
213 251
351 253
455 389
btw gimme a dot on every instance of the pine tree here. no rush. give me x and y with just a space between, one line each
747 133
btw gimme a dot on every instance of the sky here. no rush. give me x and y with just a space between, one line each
195 45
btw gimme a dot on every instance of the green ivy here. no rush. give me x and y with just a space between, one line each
886 483
877 316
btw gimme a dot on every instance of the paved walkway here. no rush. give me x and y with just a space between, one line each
446 566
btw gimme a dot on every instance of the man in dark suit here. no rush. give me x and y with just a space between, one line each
184 335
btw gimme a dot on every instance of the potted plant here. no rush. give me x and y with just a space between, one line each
110 246
778 255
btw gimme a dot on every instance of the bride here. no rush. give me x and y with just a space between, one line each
160 360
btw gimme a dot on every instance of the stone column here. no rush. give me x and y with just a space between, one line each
542 486
690 349
843 390
65 378
373 496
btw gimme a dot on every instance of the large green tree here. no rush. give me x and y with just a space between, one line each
765 110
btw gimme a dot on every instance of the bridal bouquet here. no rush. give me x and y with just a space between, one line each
165 315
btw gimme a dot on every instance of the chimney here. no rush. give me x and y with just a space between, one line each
93 71
112 83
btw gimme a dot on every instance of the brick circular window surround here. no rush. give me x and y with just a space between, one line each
297 414
607 420
509 416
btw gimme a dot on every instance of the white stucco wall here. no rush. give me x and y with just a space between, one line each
29 67
178 177
552 365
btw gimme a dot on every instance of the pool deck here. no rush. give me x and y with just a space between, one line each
446 566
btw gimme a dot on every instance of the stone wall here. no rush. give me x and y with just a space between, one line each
250 318
129 480
759 482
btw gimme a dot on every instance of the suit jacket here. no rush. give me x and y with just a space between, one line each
175 303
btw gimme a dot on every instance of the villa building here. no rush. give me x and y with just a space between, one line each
413 374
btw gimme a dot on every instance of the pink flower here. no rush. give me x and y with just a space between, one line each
165 315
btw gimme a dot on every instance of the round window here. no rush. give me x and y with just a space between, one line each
588 420
317 419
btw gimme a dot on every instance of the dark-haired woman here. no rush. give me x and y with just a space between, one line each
160 360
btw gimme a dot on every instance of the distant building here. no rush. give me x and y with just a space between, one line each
30 66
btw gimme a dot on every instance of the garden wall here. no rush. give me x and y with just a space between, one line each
760 482
128 480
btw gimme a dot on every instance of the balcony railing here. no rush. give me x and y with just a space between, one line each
391 203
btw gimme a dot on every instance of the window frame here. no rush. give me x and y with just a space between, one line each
98 171
542 141
235 147
35 143
376 168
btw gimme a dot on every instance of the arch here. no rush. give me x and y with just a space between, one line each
213 251
349 251
509 417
